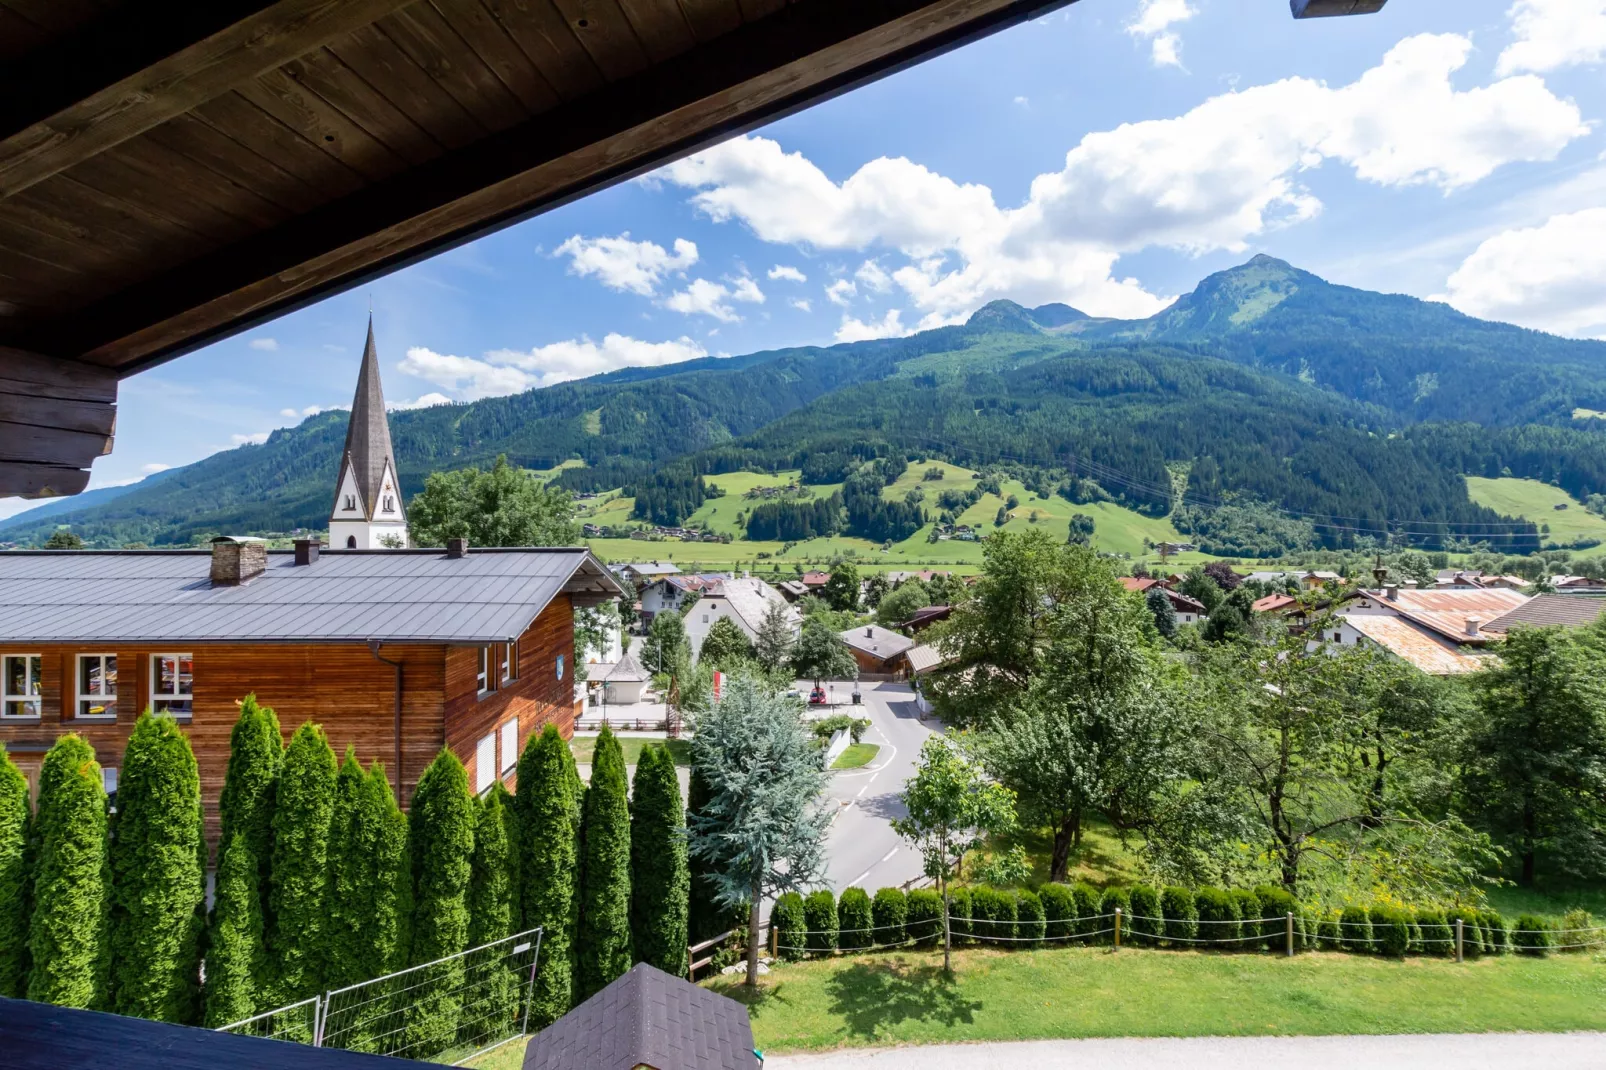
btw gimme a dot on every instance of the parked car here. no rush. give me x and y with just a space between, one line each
817 697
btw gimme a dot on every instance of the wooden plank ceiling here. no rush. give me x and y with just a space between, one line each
172 173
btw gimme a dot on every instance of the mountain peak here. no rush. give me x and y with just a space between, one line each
1006 315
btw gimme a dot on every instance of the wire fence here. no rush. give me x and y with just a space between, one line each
451 1010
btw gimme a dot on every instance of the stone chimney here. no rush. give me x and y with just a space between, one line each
307 551
456 548
1474 626
237 559
1393 592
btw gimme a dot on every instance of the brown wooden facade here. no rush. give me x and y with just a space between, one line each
342 686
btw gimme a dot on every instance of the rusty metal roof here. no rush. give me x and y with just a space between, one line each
1417 645
1446 612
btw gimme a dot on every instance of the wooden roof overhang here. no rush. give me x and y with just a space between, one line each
172 173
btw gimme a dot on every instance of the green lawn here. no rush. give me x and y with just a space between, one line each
1588 414
857 756
901 998
1536 501
582 748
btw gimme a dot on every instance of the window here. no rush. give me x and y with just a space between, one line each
510 744
485 763
97 686
510 662
482 675
390 504
351 542
172 679
351 502
108 780
21 674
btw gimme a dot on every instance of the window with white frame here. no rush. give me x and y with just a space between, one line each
510 744
482 674
485 763
172 683
510 662
97 686
19 677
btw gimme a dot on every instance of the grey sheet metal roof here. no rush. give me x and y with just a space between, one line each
647 1018
158 596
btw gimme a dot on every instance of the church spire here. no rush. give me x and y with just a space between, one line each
367 510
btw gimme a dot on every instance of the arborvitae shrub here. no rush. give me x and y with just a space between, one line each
660 877
1275 906
889 913
1181 915
1356 925
1029 912
300 873
1391 930
1112 900
491 1004
789 922
15 827
1533 935
1059 908
1496 933
924 920
158 871
993 914
603 934
1218 917
440 835
234 951
819 914
1471 932
370 896
68 925
1438 937
959 915
1087 910
1417 947
1330 933
548 825
246 805
1249 910
1147 923
854 920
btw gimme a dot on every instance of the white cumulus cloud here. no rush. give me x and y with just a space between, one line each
513 371
622 264
1551 277
255 439
1153 21
154 467
265 345
704 298
301 414
745 289
787 273
841 292
423 401
1211 179
873 277
1548 35
801 304
889 326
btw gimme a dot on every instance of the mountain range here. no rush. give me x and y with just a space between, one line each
1266 388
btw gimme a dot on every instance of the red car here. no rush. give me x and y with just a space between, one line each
817 697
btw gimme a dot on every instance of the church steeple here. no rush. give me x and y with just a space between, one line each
368 512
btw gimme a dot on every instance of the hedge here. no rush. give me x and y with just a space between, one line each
68 924
923 923
1117 899
889 914
1355 930
1391 930
1496 933
855 919
993 910
1059 908
1275 906
1472 943
1148 923
819 915
1218 917
1087 909
1533 935
786 916
1438 936
1249 910
959 915
1032 925
1181 914
15 826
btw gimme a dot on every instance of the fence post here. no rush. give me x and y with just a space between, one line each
529 997
320 1008
1458 934
1289 921
775 941
1117 928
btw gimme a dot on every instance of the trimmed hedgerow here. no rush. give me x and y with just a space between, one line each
1391 930
1218 917
959 915
1147 922
1496 933
1356 926
923 922
1533 935
819 914
1275 906
788 920
1471 932
1249 910
1329 933
1181 914
1059 908
854 920
1438 938
994 912
1029 912
889 912
16 822
1116 899
68 926
1087 909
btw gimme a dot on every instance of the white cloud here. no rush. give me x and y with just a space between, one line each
423 401
1024 102
255 439
1153 21
890 326
745 289
512 371
153 468
622 264
1551 277
1551 34
801 304
301 414
841 292
1211 179
873 277
703 298
266 345
787 272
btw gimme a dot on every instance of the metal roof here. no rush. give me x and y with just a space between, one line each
1447 612
1416 645
159 596
876 641
1568 610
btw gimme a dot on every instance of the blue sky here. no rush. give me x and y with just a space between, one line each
1108 155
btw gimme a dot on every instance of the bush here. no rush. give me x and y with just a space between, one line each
1116 899
1218 917
440 849
959 915
235 952
819 915
855 920
548 833
1029 911
1391 930
1471 932
1356 927
1059 908
602 937
1579 932
1181 914
1308 923
786 918
830 726
889 913
660 878
1249 910
1147 921
1438 937
923 922
299 875
1275 906
15 822
993 912
491 1002
1496 933
1329 933
1533 935
68 924
1087 910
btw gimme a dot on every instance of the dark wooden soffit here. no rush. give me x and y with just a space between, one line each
783 57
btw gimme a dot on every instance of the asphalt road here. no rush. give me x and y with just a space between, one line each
863 850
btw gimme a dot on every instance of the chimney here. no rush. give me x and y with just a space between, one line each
307 551
869 633
456 548
1393 592
236 559
1474 625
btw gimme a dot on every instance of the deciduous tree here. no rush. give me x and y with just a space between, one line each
505 506
725 645
603 933
842 589
821 655
660 882
67 930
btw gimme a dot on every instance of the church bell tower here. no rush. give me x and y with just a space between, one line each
368 512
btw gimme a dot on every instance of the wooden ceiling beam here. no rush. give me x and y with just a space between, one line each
56 417
809 51
143 64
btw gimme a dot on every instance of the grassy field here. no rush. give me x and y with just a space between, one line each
1588 414
1536 501
857 756
582 747
901 997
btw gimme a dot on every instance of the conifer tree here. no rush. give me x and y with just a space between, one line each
235 953
16 825
256 755
547 857
158 889
660 880
440 835
602 938
299 877
492 915
706 916
67 929
774 643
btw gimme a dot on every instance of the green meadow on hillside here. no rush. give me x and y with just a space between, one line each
1536 501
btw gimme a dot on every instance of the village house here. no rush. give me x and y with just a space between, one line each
1550 611
1441 632
1474 580
641 573
1188 610
1309 579
925 617
877 650
1578 584
745 600
671 593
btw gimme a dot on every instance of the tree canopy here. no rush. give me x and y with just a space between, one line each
504 506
